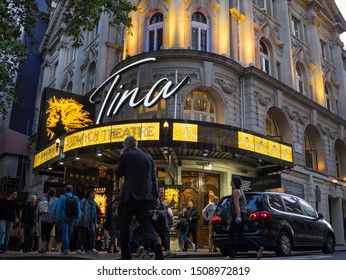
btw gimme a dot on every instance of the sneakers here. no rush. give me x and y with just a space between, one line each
79 252
139 251
93 252
64 253
44 247
179 250
194 248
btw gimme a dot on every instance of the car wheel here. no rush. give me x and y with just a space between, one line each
224 251
284 245
329 245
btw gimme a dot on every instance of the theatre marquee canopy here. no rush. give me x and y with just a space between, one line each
167 133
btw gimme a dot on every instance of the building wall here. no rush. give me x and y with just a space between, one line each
232 75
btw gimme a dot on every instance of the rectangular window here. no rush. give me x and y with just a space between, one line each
262 4
159 38
323 49
203 40
151 40
194 39
295 27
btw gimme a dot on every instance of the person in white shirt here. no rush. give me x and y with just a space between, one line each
207 214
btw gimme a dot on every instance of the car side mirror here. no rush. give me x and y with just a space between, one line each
320 216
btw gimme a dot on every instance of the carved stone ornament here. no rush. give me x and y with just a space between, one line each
301 118
263 100
228 88
290 113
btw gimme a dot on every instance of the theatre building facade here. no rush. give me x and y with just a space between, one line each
211 89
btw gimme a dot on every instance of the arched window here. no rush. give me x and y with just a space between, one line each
155 32
199 37
264 58
92 76
300 79
198 106
310 153
328 98
271 127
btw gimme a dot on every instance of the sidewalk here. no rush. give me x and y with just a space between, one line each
201 253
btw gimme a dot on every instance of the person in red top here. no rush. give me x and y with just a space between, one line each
9 215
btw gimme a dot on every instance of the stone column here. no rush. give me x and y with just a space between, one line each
131 41
282 16
223 29
176 24
317 73
247 35
338 64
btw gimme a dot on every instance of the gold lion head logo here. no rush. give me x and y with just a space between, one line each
65 114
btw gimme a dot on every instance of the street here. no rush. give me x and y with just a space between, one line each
203 254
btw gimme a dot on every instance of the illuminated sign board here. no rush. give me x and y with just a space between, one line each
112 134
46 155
117 95
250 142
185 132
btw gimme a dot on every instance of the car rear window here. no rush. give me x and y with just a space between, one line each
292 204
275 202
254 202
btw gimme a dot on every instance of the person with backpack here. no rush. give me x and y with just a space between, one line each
47 209
67 213
88 223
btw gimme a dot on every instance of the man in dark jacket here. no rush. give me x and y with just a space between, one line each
139 193
9 215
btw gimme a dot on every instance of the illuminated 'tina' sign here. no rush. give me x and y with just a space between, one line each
112 106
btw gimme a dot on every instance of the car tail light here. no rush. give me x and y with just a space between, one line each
261 215
216 219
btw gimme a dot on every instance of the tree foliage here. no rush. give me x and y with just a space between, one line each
18 16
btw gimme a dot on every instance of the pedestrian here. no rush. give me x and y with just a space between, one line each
48 218
9 215
161 224
238 220
139 193
182 227
88 223
29 216
193 222
207 214
112 222
67 212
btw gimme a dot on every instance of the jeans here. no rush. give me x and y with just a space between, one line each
29 230
238 230
67 224
139 208
5 229
183 237
114 233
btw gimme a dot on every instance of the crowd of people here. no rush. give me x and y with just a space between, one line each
139 215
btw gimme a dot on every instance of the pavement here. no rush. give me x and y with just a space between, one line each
103 255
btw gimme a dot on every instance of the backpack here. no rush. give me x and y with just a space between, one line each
71 206
43 206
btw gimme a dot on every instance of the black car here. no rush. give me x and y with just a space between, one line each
280 222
